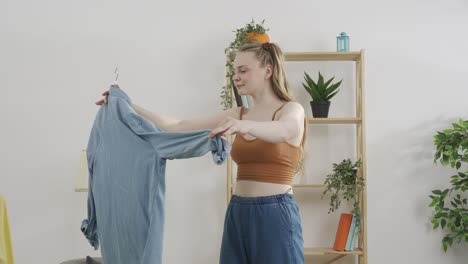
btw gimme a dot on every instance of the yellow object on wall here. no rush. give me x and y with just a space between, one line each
81 182
6 250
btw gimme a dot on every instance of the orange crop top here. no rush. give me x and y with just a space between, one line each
259 160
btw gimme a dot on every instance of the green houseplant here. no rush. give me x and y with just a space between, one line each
321 92
250 32
450 205
344 183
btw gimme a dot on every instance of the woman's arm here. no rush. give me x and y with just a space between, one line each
172 124
168 123
286 128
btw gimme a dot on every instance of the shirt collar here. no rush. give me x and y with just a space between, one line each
117 92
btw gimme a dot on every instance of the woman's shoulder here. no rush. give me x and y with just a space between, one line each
292 107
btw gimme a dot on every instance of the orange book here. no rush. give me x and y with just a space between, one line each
342 232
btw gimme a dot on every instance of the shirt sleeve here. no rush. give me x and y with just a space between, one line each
177 145
182 145
89 225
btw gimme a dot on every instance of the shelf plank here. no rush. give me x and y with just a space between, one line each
320 251
322 56
345 120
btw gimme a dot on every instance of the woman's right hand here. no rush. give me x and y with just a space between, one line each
103 100
105 94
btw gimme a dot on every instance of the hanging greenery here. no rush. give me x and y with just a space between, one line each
250 32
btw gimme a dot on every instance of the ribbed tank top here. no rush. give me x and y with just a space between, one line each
259 160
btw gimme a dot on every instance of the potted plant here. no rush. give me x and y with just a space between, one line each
321 93
450 205
250 32
344 183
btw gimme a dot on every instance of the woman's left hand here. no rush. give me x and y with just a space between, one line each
230 126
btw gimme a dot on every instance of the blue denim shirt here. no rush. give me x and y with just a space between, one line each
127 158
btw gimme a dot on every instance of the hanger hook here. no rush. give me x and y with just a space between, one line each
117 73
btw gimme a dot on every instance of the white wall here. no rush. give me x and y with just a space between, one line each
56 57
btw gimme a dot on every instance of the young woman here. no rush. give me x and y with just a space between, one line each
262 222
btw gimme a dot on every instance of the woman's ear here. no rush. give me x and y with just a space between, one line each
268 71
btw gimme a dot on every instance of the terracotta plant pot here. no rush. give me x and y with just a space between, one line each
262 38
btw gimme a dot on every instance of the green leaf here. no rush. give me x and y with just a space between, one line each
328 82
309 81
316 95
331 96
441 203
336 85
324 90
307 88
311 87
330 90
320 82
450 241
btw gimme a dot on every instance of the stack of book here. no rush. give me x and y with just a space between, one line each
346 233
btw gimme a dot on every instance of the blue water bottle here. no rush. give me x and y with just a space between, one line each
342 42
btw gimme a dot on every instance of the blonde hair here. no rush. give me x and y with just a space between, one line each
270 53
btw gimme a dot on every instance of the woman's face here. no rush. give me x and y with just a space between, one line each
248 73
